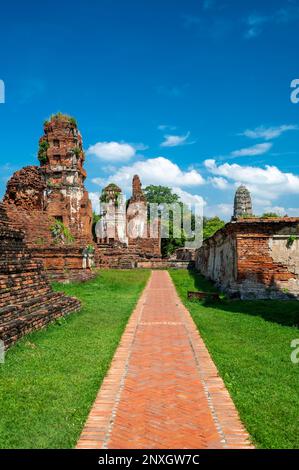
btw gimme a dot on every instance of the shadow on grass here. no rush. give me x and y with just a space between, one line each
283 312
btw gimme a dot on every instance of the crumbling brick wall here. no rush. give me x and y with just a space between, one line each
27 301
254 258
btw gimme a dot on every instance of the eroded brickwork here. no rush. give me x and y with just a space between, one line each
37 197
65 197
27 301
56 188
254 258
123 234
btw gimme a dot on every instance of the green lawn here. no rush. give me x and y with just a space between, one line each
51 377
250 344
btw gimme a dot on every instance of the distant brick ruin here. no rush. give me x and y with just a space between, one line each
123 233
43 199
253 257
242 203
27 301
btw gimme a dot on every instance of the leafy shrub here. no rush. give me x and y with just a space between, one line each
291 240
42 151
61 233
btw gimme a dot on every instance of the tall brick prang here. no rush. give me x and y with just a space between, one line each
56 188
62 158
242 203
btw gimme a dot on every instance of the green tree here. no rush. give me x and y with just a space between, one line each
160 195
211 226
270 215
164 195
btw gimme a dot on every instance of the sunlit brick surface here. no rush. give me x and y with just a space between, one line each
163 390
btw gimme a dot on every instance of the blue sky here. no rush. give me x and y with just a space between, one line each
193 94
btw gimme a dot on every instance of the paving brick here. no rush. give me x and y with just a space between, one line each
167 393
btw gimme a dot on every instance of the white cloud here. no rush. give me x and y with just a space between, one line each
95 201
99 181
219 182
258 149
113 151
175 140
268 133
164 127
292 211
276 209
157 171
224 211
266 183
256 23
188 198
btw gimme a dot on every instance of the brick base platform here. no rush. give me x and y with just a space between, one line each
163 390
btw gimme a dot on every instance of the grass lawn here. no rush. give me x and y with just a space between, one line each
250 344
51 377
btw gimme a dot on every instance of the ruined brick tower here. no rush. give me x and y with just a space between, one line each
35 196
137 213
112 227
137 193
242 203
61 156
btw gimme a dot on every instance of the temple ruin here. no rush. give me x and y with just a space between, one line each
242 203
27 301
253 257
50 203
250 257
123 232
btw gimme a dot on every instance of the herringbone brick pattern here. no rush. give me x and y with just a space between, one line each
163 390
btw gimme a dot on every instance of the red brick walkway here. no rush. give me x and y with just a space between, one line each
163 390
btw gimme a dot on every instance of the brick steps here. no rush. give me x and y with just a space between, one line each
21 320
27 301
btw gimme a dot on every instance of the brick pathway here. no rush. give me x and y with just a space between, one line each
163 390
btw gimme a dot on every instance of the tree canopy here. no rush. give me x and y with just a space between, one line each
211 226
160 195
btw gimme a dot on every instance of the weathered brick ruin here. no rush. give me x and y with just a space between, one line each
253 257
27 301
41 199
44 199
242 203
62 157
123 233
